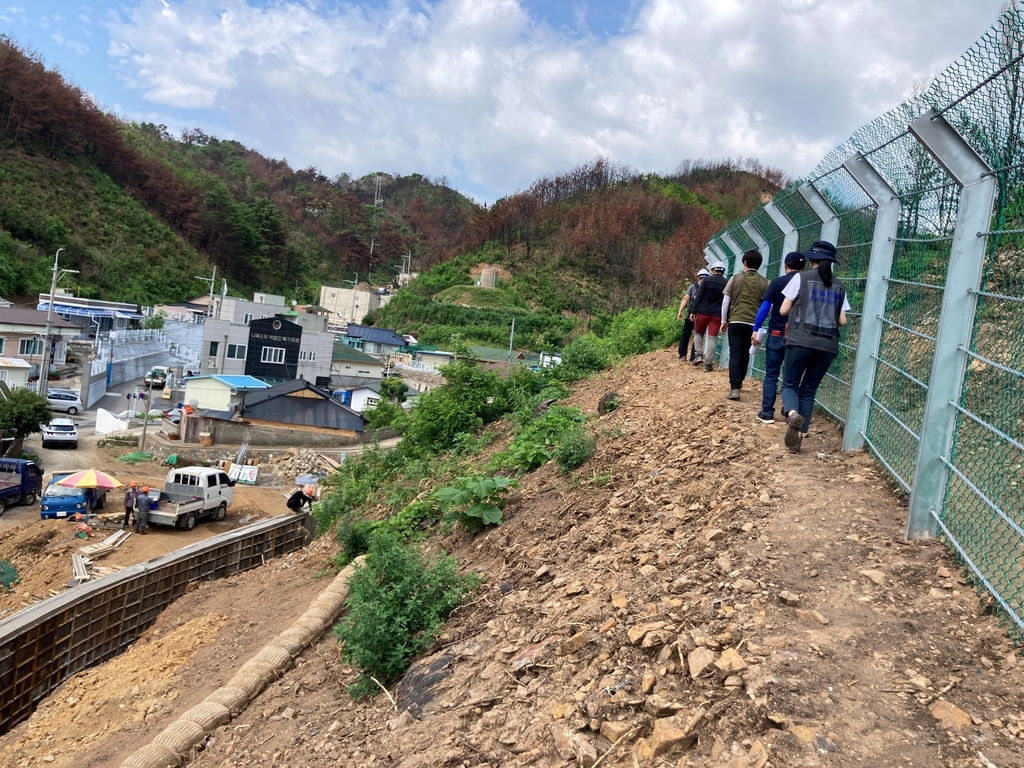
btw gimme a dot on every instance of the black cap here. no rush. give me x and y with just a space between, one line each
822 250
795 257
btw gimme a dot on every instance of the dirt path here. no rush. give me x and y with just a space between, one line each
691 567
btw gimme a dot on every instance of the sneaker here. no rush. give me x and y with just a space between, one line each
698 360
734 394
793 423
795 450
766 418
709 367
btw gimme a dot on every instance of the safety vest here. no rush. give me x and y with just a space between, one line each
814 318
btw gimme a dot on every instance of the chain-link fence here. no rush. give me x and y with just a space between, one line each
926 207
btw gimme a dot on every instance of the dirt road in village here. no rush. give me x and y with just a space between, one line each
693 596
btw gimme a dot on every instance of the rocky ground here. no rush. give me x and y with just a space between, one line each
693 595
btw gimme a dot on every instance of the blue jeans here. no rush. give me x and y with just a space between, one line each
774 354
803 372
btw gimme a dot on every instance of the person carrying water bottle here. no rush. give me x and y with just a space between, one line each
816 305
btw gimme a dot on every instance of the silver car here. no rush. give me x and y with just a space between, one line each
65 401
59 432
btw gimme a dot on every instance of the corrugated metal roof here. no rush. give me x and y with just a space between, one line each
375 335
13 362
235 382
344 352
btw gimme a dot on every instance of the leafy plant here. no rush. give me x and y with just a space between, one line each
384 414
475 501
535 445
21 413
576 446
397 602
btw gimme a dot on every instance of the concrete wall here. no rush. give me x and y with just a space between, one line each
137 367
233 433
94 385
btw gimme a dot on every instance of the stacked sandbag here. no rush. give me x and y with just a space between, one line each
179 742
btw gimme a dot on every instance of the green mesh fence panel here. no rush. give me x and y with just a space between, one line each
741 237
727 251
807 223
983 513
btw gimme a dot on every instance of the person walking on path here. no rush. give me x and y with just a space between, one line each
130 494
142 507
816 305
684 340
775 338
741 300
707 315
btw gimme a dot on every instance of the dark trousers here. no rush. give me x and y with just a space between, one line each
739 352
684 340
774 354
802 374
127 516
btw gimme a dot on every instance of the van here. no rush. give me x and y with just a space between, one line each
21 482
59 501
193 493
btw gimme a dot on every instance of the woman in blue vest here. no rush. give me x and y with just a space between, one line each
816 305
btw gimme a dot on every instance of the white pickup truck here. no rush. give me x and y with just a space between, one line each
191 494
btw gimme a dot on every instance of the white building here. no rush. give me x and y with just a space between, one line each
350 306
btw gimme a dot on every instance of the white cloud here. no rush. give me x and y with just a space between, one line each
482 92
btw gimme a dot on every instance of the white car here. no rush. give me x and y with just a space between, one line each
65 401
60 432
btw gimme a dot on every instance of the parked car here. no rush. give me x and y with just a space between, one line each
60 432
21 482
59 501
65 401
191 494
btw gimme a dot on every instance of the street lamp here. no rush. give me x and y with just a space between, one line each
58 273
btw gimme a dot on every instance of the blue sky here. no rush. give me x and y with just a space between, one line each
493 93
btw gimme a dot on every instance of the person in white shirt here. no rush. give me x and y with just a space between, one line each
816 305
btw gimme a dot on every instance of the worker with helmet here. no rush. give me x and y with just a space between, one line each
706 314
142 506
684 340
129 502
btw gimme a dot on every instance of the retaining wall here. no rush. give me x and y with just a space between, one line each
44 645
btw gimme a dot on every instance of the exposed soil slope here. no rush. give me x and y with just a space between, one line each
643 602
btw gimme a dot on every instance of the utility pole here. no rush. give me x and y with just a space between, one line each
44 360
352 315
511 338
145 421
378 202
212 281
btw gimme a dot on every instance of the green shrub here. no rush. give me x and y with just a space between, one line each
574 448
535 444
397 602
584 356
384 414
354 537
636 331
475 501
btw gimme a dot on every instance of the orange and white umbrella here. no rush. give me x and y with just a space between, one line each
90 478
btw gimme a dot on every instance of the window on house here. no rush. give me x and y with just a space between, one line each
3 375
366 372
247 318
272 355
372 401
334 295
3 343
312 357
236 351
302 355
214 346
30 347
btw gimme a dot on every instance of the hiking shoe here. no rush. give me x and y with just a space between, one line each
734 394
766 418
793 423
709 367
797 449
698 360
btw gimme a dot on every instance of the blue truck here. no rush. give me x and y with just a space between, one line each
59 501
21 482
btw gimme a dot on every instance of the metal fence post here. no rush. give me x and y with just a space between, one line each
956 322
823 210
760 242
883 245
737 263
790 237
709 255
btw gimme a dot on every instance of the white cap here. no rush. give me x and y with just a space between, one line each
718 265
702 273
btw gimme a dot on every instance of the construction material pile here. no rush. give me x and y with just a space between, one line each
295 462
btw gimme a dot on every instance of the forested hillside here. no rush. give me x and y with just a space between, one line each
140 212
576 249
